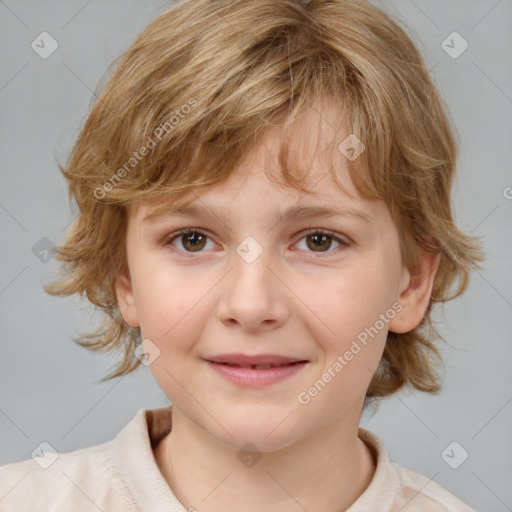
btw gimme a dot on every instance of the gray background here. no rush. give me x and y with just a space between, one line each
50 387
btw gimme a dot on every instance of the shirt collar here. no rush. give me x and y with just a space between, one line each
135 461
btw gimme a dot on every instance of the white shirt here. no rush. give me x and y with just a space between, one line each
122 475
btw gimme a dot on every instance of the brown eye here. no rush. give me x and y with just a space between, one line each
190 240
194 241
318 242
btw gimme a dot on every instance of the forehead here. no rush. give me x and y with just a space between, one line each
253 194
314 156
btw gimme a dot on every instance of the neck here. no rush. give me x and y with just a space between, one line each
325 472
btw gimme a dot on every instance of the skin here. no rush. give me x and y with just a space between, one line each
289 301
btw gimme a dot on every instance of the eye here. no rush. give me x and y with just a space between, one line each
320 241
317 240
193 240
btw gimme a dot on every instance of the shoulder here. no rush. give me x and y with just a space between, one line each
120 475
84 479
420 493
395 487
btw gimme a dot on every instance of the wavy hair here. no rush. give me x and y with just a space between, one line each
194 93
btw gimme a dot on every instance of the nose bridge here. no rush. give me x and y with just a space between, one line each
252 296
251 274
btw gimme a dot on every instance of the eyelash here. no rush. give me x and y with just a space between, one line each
188 231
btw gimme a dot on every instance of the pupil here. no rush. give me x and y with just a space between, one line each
318 239
194 239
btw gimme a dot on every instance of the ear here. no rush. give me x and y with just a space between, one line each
415 292
126 300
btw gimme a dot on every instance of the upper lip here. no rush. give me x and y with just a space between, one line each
246 360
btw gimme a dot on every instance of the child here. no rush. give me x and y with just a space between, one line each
304 153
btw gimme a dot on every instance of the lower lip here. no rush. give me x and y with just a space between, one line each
254 378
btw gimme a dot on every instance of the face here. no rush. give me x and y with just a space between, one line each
319 290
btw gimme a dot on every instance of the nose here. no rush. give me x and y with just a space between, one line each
253 296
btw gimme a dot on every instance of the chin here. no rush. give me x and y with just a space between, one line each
267 433
261 440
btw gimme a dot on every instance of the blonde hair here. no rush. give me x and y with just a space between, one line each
197 89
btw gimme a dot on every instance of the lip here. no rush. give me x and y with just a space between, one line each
258 359
239 368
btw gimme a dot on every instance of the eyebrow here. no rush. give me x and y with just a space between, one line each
294 212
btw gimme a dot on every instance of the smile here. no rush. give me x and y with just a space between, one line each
256 375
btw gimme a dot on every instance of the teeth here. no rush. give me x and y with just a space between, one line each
257 366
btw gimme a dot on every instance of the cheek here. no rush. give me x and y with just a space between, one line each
346 304
167 299
351 331
351 335
172 316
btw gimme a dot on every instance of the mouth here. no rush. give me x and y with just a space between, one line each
255 371
256 362
259 366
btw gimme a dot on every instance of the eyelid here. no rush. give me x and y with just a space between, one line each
168 239
343 240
